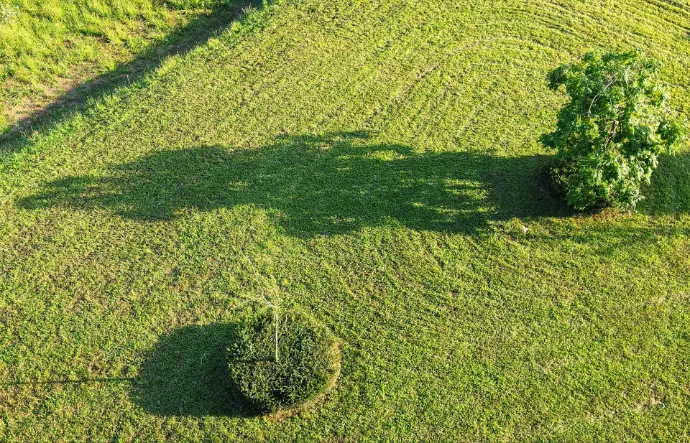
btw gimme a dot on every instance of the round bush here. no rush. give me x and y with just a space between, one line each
307 366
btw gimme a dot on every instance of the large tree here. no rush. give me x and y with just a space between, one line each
613 129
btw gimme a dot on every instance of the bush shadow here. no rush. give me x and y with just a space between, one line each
198 31
318 185
186 374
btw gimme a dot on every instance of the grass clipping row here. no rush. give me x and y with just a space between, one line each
307 366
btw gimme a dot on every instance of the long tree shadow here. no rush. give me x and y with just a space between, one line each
186 374
314 185
198 31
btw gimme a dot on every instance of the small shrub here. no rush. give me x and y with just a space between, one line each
307 366
610 134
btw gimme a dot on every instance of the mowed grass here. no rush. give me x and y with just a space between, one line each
48 47
377 160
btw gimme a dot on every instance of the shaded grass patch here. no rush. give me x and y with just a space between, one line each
318 185
186 374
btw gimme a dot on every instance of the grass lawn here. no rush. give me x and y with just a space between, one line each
53 51
377 160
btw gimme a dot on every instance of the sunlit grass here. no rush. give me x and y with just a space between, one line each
47 45
379 161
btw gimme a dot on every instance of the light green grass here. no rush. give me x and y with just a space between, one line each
49 46
379 160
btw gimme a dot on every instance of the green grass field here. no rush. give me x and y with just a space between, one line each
377 160
48 48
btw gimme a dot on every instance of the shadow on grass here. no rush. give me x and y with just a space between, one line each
198 31
669 192
186 374
312 185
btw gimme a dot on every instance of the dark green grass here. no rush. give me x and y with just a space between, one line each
352 183
186 374
379 160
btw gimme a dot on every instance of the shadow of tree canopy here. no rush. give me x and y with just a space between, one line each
186 374
328 184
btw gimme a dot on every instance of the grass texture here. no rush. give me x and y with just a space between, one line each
49 46
379 161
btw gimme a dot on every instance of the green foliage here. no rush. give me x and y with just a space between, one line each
307 366
610 134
